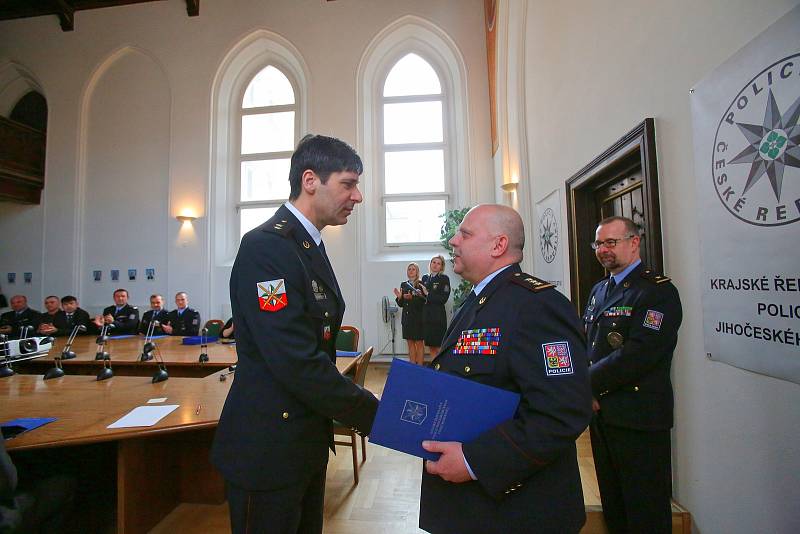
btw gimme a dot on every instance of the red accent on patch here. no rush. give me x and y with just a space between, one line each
275 303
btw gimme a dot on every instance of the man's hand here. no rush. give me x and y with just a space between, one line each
595 405
47 329
450 465
166 328
108 318
98 321
5 329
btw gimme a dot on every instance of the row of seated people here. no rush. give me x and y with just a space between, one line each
62 315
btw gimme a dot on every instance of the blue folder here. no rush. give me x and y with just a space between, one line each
15 427
422 404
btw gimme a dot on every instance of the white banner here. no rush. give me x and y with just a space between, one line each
747 167
550 241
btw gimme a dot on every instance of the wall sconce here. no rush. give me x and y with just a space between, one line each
509 187
186 218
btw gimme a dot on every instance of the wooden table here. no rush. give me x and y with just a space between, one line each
153 468
156 467
180 360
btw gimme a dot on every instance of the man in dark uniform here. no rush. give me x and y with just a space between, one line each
52 307
155 313
70 316
12 322
518 333
632 322
272 441
182 321
122 315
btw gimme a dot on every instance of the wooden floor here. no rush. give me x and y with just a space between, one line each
386 501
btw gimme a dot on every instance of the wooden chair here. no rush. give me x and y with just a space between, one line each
214 327
341 430
347 338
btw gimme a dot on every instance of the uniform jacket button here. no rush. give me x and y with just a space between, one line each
285 415
327 314
437 366
635 388
467 369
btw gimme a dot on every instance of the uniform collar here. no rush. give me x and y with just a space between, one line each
312 230
485 282
619 277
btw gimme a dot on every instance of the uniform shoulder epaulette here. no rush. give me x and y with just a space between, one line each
654 277
531 282
279 226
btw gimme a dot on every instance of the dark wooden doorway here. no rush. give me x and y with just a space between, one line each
623 180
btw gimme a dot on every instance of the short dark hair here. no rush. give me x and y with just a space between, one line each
68 298
51 297
156 295
323 155
630 227
121 290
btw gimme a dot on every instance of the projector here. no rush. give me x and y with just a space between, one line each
26 349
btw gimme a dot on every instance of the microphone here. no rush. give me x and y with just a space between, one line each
161 373
6 369
68 354
203 346
106 372
147 348
23 331
224 376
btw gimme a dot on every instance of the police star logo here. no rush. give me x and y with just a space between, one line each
414 412
272 295
548 235
756 157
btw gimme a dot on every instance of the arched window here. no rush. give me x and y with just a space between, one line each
414 151
268 132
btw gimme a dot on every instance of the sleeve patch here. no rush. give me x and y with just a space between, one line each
557 358
653 319
272 295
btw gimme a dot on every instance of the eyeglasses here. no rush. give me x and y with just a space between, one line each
609 243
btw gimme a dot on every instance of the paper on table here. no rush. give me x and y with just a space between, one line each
156 401
144 416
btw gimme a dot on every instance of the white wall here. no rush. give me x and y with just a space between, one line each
593 72
129 94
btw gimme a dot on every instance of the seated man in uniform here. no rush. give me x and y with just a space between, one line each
155 313
122 315
52 306
70 316
182 321
20 316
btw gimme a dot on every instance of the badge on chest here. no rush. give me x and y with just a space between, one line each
319 290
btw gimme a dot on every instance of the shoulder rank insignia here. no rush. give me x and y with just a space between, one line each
531 282
279 226
656 278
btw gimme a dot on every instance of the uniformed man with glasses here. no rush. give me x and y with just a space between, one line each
632 320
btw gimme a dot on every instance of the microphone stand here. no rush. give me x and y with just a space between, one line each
66 354
161 374
6 369
203 346
106 372
147 348
224 376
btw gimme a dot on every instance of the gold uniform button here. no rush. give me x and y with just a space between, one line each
437 366
285 415
467 369
635 388
327 314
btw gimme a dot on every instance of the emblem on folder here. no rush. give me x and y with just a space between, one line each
272 295
414 412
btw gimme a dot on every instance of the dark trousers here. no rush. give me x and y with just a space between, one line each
294 509
634 475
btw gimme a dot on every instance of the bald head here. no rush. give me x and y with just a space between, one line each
491 236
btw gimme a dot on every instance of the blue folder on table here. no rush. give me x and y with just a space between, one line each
15 427
422 404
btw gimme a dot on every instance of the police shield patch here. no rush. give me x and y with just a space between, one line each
653 319
557 358
272 295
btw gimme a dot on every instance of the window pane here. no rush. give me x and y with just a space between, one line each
415 221
268 132
265 180
249 218
413 122
417 171
269 88
412 75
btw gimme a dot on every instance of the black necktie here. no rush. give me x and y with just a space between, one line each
612 283
327 262
69 318
468 303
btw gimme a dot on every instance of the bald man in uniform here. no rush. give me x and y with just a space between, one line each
521 476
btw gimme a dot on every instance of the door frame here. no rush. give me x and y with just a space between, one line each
581 210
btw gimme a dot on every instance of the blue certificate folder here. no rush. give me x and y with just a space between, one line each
15 427
422 404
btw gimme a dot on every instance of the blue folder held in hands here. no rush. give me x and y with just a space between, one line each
422 404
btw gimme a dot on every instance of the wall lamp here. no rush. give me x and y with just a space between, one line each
186 218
